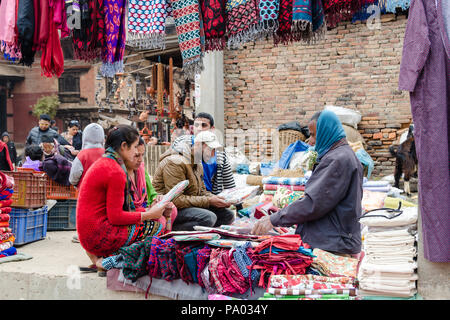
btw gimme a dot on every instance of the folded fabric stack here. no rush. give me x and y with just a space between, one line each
282 191
310 287
377 186
389 243
7 238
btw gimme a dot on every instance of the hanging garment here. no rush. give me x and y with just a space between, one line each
242 22
308 23
25 28
425 73
392 5
147 23
283 34
340 10
52 59
115 36
41 24
268 17
214 23
8 34
188 25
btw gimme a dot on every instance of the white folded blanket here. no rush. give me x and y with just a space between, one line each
403 294
373 219
394 268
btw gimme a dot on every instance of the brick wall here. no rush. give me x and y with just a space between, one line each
353 67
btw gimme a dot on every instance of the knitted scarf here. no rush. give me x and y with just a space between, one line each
188 25
268 17
128 204
242 22
340 10
147 23
88 41
115 33
307 20
214 23
283 33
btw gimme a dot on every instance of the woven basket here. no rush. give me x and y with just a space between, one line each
287 137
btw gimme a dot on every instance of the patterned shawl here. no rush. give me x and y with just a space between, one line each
283 33
214 23
147 23
88 41
340 10
8 34
268 17
242 22
188 25
307 20
115 34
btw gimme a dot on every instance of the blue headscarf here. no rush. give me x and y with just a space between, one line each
329 131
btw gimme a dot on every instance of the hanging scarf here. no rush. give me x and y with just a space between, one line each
188 25
60 17
283 33
115 33
213 16
364 13
128 204
8 34
88 40
268 17
308 20
329 131
147 23
25 28
139 189
340 10
242 22
41 23
52 59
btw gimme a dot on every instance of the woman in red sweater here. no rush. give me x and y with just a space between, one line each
106 216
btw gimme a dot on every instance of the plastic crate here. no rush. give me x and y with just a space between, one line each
30 188
56 191
62 216
28 225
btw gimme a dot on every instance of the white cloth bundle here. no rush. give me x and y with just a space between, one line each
407 217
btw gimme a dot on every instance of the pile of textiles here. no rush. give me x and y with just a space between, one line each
283 191
376 186
7 237
390 247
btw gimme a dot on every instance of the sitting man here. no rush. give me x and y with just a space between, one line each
327 217
55 165
217 172
196 206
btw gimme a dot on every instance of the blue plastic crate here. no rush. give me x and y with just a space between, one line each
28 225
62 216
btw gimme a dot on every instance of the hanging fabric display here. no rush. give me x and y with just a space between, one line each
242 22
340 10
41 24
8 34
187 21
283 33
392 5
268 17
115 34
52 59
308 22
214 24
147 23
25 27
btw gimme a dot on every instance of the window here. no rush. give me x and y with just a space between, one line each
69 87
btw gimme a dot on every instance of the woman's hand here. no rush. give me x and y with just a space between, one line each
155 212
167 213
262 226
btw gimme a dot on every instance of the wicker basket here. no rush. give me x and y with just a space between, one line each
287 137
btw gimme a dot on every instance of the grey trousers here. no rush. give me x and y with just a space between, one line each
213 217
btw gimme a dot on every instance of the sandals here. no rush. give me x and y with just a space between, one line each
92 268
101 272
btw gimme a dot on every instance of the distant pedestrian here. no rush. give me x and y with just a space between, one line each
11 148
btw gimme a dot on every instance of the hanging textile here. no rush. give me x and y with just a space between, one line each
391 5
147 23
268 17
25 28
88 41
340 10
52 59
188 25
115 33
365 11
242 22
308 20
425 73
41 24
8 34
60 16
283 33
213 16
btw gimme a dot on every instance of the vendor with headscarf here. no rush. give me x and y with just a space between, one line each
327 216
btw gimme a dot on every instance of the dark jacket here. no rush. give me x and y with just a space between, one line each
327 216
11 148
58 169
35 136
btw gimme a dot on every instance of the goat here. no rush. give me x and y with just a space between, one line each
405 160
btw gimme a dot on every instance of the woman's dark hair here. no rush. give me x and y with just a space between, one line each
141 142
119 134
34 152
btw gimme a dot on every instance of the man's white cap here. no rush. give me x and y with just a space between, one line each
209 138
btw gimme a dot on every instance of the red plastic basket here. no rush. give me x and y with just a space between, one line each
56 191
29 188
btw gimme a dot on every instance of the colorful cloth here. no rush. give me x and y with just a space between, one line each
293 292
242 22
275 187
148 228
5 230
8 34
135 259
8 252
202 261
308 23
5 245
309 282
268 16
284 197
147 23
284 181
115 33
213 16
283 34
52 59
188 25
11 239
333 265
5 236
340 10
